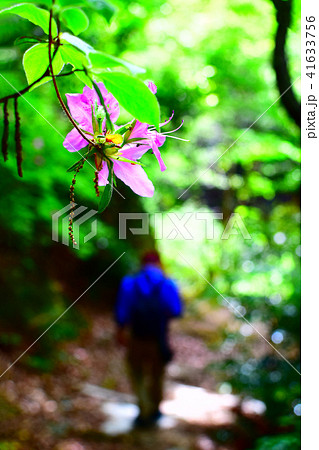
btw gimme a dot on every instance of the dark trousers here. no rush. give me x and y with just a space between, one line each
146 368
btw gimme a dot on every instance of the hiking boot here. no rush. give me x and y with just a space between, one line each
144 422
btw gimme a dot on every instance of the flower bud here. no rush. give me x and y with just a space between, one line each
99 113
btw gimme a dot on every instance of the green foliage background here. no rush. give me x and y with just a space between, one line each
211 61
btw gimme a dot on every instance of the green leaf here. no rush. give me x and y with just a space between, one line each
36 62
107 193
27 40
36 15
84 78
104 8
77 42
73 56
75 19
102 60
133 95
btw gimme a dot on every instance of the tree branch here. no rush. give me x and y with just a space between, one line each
280 63
27 88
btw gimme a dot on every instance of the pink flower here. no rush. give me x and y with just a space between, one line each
80 106
120 149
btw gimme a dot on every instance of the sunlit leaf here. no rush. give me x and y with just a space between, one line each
133 95
102 60
77 42
102 7
36 62
75 19
84 78
73 56
37 16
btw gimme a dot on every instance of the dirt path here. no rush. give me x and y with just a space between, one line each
53 411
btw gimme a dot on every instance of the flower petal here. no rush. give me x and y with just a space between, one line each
80 110
157 153
159 139
134 177
74 141
139 130
103 174
133 151
156 141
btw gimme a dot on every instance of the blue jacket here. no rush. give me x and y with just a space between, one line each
146 279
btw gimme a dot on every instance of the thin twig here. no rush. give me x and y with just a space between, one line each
65 109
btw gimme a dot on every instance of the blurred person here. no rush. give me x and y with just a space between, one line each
146 303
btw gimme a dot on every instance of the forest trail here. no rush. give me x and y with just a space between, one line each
182 403
86 402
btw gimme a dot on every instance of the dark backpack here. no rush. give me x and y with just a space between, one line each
148 318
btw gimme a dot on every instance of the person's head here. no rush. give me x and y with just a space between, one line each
151 257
